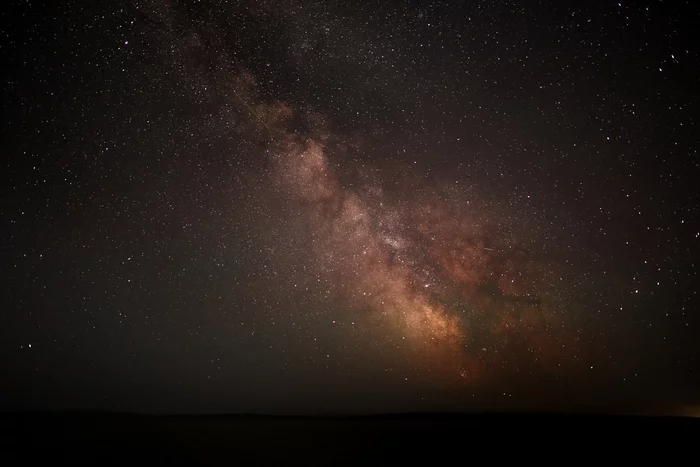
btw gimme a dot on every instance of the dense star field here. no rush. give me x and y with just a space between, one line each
324 207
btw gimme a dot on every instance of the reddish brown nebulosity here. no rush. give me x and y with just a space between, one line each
401 261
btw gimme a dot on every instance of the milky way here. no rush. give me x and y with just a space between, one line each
299 206
432 266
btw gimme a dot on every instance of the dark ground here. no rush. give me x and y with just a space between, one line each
116 439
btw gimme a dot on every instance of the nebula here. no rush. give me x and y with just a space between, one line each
430 266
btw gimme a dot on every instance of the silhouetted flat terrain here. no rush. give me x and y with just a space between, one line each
105 438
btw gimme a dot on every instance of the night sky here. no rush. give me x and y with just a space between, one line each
349 207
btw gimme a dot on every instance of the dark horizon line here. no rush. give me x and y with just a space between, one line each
555 413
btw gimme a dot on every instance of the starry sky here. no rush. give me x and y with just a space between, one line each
324 207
